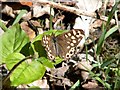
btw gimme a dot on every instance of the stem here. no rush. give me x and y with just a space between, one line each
14 67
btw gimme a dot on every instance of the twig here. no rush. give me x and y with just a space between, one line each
54 76
72 10
66 8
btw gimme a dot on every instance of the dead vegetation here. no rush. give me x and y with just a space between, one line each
96 66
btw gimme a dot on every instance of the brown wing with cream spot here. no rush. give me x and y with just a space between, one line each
70 43
47 42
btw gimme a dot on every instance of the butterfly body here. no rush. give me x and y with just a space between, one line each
64 45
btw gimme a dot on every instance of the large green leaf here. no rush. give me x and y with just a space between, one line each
26 72
13 59
13 40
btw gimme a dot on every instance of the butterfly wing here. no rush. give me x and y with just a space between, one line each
48 43
70 43
64 45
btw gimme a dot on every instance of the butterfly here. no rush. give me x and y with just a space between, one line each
64 45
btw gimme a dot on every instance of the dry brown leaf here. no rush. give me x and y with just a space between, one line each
26 2
84 65
28 30
89 5
7 10
95 24
59 72
40 83
90 85
67 82
39 11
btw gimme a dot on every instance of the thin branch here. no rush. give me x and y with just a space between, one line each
54 76
66 8
72 10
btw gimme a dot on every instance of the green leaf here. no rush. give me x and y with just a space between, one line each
26 49
77 84
111 31
46 62
50 32
101 41
103 37
26 72
38 48
2 25
108 62
38 38
110 16
103 82
117 84
13 59
13 40
19 16
119 72
58 60
56 32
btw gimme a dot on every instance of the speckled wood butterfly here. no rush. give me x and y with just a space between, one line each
64 45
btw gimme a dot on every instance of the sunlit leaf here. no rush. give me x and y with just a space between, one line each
46 62
26 72
13 40
13 59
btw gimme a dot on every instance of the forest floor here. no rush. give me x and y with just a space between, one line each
97 64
